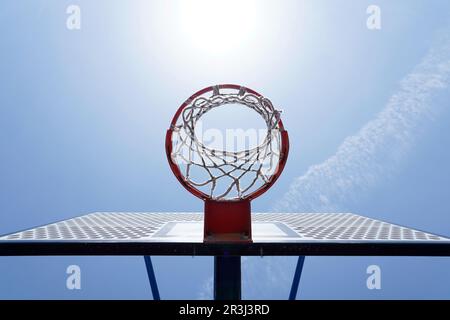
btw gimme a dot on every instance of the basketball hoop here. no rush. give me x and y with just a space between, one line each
227 180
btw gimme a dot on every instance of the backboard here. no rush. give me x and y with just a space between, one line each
274 234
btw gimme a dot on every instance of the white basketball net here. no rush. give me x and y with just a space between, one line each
222 174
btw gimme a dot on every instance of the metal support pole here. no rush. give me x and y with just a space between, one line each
297 276
152 278
227 278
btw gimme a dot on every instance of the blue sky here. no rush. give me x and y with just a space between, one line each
83 115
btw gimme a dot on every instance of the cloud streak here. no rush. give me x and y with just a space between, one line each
360 162
375 151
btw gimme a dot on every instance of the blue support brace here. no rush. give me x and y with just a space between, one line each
297 276
152 278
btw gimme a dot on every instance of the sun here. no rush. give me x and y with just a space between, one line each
216 26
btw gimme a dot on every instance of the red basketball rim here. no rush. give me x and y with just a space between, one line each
284 150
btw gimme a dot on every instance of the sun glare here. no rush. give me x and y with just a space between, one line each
218 26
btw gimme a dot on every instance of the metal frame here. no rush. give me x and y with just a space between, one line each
227 261
220 249
156 242
227 278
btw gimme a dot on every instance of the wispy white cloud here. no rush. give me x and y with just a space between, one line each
361 161
374 152
267 277
206 292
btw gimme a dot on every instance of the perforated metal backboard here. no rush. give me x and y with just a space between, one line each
146 233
